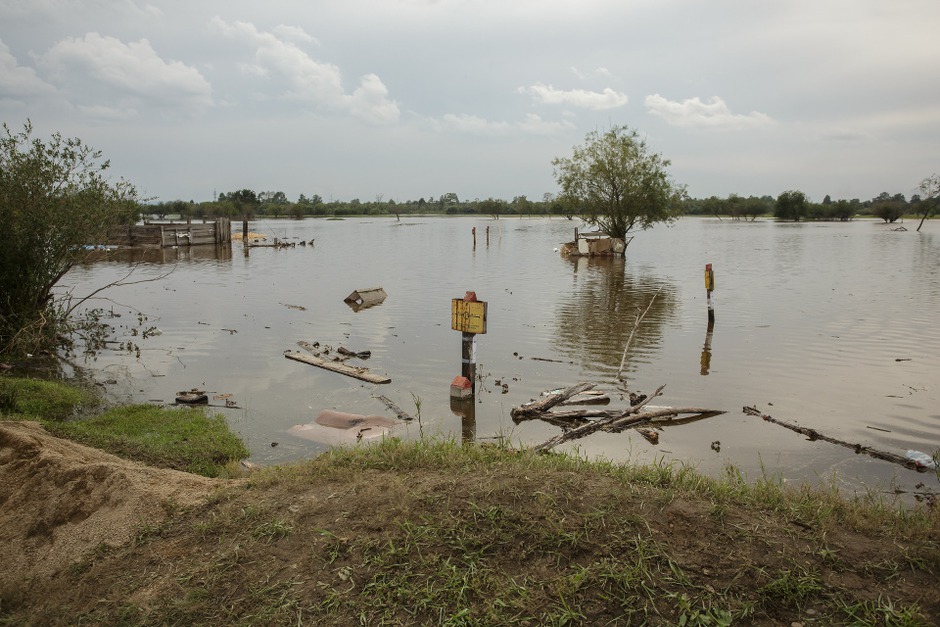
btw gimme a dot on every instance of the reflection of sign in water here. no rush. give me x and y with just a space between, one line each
468 317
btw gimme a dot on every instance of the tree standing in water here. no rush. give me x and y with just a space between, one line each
618 183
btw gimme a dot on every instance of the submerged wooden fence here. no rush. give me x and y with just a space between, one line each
171 234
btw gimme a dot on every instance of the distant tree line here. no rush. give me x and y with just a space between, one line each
791 205
794 205
253 205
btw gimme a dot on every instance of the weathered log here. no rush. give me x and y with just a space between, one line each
362 374
597 425
538 407
575 414
395 408
812 434
571 414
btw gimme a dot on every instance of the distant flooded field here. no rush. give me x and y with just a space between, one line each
832 326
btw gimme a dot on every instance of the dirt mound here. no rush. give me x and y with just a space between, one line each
59 500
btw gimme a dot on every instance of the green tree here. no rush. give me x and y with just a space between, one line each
929 190
843 210
888 210
492 207
54 201
753 207
618 183
245 202
790 205
522 205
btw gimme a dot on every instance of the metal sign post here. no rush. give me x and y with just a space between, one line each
709 287
468 315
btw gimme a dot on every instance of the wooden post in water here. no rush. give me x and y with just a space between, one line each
709 287
474 231
487 236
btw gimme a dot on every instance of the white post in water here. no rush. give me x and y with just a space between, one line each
709 287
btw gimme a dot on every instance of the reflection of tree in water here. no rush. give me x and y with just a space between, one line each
596 317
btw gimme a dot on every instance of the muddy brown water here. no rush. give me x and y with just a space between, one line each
832 326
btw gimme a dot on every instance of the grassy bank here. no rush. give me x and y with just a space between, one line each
185 438
439 533
404 533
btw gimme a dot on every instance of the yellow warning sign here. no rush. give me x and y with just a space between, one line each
468 317
709 277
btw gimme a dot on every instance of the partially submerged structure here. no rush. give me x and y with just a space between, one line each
365 298
173 234
594 244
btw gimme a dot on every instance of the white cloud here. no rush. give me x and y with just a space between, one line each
311 81
601 71
537 126
532 124
473 125
104 112
694 113
130 70
294 33
17 81
370 101
147 11
546 94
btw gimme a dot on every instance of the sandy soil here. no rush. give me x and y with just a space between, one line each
60 500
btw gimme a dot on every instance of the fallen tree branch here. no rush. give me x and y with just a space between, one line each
597 425
575 414
395 408
118 283
537 407
697 413
813 435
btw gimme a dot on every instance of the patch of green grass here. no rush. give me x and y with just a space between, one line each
36 399
791 588
272 530
883 612
183 439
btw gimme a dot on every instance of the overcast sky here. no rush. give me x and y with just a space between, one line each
402 99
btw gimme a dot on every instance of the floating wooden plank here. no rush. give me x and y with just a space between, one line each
362 374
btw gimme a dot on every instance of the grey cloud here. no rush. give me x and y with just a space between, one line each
17 81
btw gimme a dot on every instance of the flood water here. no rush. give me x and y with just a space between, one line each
832 326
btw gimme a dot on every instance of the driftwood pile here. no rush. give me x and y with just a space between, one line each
577 423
